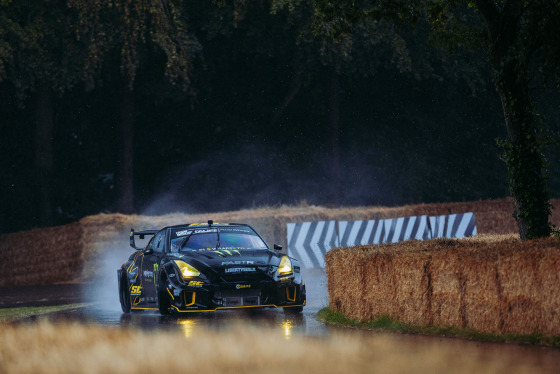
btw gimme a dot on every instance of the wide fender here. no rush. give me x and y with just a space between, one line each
168 271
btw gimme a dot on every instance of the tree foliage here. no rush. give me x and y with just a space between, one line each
522 42
127 31
520 36
39 56
37 44
414 124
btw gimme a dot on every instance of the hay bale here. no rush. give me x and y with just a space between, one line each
480 289
412 294
521 290
494 284
549 271
379 296
343 276
40 256
447 304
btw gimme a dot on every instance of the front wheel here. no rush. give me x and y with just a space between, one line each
164 298
124 296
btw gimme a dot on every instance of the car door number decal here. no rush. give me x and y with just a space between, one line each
135 290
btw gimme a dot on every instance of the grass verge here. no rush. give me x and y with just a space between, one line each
10 314
385 323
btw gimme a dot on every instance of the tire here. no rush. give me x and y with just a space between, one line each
124 296
293 310
164 302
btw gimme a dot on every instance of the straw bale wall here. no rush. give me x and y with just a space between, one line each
490 283
72 253
41 256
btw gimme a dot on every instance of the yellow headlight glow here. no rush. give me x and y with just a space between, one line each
187 271
285 266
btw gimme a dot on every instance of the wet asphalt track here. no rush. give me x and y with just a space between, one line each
103 308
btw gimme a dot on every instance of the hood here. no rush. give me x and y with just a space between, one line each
224 257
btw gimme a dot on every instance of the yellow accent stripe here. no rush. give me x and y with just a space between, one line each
134 261
193 297
170 294
288 293
236 307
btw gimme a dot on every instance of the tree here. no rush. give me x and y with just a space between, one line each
522 42
519 34
124 34
39 55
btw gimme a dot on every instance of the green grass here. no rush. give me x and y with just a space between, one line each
385 323
10 314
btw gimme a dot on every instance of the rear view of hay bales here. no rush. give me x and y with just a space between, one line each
493 284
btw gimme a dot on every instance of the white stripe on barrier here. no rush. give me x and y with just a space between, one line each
330 234
409 228
367 232
387 228
398 228
450 222
463 227
441 226
308 242
304 257
315 244
468 218
422 228
377 238
341 228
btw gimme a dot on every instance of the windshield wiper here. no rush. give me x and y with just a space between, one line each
218 244
185 241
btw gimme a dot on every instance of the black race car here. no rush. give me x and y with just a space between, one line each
201 267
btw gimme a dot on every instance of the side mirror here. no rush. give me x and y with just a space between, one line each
277 247
148 251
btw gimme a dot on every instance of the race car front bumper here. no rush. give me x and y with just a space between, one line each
201 298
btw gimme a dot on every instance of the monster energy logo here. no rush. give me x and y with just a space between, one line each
156 268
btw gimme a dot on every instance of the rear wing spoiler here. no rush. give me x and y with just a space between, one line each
141 234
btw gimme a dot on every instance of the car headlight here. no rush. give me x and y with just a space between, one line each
285 266
187 271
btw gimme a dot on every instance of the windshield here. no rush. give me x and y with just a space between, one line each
230 238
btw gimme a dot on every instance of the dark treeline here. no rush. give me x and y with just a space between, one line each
272 114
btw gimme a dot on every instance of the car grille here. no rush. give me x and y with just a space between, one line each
233 298
259 275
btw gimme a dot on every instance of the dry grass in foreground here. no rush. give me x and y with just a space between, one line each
48 348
